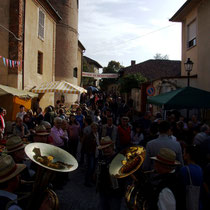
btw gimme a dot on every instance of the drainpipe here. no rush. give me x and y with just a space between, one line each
24 2
83 51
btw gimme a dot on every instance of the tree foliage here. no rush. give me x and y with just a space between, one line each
112 67
159 56
130 81
87 68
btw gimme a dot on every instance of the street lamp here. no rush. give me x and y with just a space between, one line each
188 68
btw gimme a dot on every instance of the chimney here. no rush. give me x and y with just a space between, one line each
133 62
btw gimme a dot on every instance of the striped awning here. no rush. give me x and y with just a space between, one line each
59 87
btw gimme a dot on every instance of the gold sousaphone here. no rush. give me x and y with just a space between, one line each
127 161
124 164
50 160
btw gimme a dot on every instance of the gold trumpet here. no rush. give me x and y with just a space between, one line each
50 160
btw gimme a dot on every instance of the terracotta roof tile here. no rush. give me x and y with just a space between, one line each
155 69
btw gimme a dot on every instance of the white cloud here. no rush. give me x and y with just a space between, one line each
123 32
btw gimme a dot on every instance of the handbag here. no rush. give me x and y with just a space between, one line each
192 194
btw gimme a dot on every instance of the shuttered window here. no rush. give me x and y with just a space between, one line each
75 72
41 24
40 63
191 29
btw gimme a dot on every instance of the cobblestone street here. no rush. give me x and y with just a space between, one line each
76 196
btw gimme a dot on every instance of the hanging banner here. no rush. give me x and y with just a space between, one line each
11 63
90 74
4 60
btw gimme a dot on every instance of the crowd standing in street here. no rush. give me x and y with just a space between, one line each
177 151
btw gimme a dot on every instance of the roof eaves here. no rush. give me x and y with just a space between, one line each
91 61
184 9
48 6
81 45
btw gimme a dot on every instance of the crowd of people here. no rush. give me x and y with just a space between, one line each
94 131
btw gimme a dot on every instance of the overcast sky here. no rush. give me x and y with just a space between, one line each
125 30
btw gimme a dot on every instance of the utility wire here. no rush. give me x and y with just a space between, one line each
138 37
11 33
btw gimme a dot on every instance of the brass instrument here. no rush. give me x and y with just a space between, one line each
125 164
46 173
127 161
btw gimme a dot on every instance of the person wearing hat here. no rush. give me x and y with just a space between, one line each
9 181
41 135
165 191
15 147
111 190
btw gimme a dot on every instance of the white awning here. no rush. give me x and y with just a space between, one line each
59 87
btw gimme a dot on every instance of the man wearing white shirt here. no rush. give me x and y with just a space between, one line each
21 113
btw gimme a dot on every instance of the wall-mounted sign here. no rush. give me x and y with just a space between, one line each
150 90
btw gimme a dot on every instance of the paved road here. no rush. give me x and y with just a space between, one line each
76 196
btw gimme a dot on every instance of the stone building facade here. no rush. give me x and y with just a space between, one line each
23 43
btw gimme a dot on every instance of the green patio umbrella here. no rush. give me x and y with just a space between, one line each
183 98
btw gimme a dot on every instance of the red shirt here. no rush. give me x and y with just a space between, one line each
124 135
2 123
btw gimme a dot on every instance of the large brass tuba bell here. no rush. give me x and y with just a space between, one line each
45 172
127 161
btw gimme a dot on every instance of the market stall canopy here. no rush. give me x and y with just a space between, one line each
183 98
4 90
59 87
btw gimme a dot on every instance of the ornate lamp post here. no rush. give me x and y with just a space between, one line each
188 68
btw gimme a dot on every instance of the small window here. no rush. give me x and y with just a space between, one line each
41 24
40 63
75 72
191 30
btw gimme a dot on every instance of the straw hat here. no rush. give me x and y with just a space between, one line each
105 142
14 143
8 168
167 157
40 130
125 118
46 124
